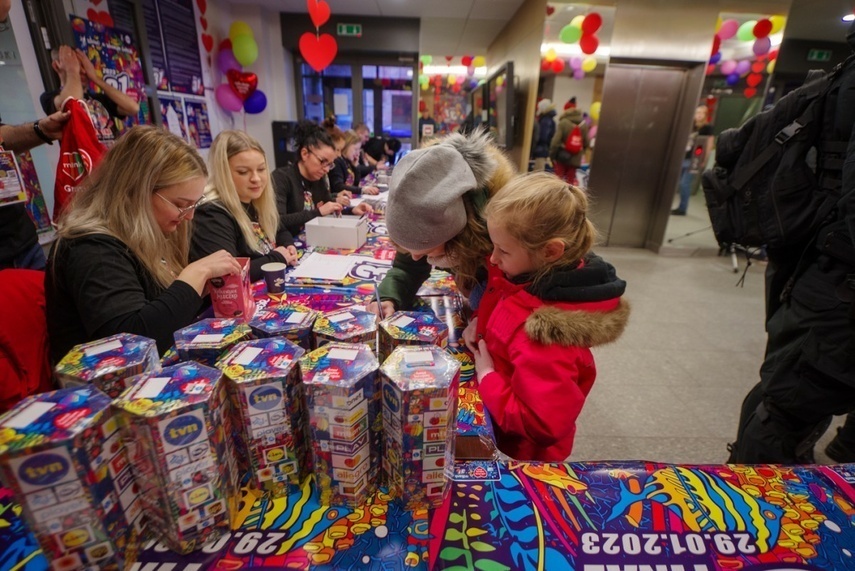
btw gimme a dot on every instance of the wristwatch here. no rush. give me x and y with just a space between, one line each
41 134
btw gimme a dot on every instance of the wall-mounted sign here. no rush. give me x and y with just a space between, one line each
349 30
819 55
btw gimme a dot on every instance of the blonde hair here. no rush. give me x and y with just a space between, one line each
469 247
351 137
116 199
538 207
221 186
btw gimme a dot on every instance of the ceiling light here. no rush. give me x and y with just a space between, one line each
848 17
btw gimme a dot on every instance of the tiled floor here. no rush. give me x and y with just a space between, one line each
671 388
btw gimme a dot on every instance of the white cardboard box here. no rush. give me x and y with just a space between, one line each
330 232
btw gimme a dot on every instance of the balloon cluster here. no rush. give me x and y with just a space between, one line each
578 65
241 88
455 82
583 29
756 31
319 50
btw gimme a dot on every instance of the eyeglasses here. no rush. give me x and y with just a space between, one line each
182 212
325 164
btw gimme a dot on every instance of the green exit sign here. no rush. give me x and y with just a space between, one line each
819 55
350 30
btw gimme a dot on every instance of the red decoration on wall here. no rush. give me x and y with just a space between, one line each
203 6
319 11
208 42
243 83
550 10
101 17
204 23
318 51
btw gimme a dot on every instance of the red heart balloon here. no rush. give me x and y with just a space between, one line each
208 42
102 17
204 23
203 5
319 11
243 83
226 44
318 52
754 79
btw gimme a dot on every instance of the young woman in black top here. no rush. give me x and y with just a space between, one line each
239 214
343 175
302 189
120 261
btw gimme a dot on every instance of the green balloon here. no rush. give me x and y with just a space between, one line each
427 60
570 34
746 31
239 28
245 50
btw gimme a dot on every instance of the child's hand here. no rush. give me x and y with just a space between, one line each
483 360
469 335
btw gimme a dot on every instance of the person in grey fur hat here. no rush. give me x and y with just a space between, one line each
436 197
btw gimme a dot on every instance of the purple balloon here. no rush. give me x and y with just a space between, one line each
733 79
716 57
226 61
762 46
728 67
743 67
255 103
227 98
576 62
579 74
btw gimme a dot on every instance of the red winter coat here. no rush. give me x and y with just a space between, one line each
543 364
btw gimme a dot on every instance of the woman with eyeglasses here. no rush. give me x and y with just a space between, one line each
119 264
303 189
239 214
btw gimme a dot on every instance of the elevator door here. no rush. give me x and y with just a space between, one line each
634 149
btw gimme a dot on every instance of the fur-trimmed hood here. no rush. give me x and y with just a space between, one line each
553 325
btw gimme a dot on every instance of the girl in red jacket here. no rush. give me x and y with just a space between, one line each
548 300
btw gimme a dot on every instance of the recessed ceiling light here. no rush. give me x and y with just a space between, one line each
848 17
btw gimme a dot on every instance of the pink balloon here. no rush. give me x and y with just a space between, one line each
592 132
743 67
728 67
578 74
228 99
728 29
762 46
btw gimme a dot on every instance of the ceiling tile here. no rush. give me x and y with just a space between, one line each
478 35
439 36
495 9
425 8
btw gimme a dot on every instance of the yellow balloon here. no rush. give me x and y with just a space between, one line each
778 23
577 21
594 111
718 24
551 55
239 28
589 64
500 80
479 61
770 69
452 79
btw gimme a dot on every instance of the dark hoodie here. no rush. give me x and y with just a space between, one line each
569 119
545 132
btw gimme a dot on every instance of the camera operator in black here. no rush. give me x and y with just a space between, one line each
808 373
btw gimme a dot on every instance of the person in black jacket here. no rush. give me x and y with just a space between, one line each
379 151
119 264
344 175
302 189
239 214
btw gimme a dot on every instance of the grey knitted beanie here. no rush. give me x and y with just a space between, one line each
425 207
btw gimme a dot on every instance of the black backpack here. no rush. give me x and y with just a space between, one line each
777 177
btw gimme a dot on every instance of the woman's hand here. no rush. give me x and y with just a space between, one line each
289 253
372 190
215 265
327 208
386 309
483 360
362 208
470 335
342 198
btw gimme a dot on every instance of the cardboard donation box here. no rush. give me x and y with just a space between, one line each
176 424
410 328
330 232
343 401
232 295
108 363
267 395
419 386
291 320
63 456
205 341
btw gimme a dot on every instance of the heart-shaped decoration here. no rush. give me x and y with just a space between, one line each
208 42
243 83
203 6
754 79
758 66
550 10
95 2
204 22
101 17
319 12
318 52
